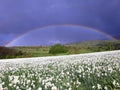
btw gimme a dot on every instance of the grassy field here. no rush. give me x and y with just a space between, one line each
44 51
75 48
34 51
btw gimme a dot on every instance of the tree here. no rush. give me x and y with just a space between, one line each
57 48
110 46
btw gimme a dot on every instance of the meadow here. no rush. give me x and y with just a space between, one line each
73 48
93 71
67 49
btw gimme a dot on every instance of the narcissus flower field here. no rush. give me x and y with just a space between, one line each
94 71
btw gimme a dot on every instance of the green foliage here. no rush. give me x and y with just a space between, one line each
110 46
9 53
58 48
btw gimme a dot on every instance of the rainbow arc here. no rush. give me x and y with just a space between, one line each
68 25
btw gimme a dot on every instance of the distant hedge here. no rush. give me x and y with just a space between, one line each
8 53
58 48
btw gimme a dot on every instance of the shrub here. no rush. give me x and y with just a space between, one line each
57 48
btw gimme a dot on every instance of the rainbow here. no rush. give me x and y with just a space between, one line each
73 25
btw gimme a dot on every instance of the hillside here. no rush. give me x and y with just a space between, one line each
73 48
94 43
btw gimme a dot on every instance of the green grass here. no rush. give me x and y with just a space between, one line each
75 48
44 51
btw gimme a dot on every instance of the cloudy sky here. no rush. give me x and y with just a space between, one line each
20 16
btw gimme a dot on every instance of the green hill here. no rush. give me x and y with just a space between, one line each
73 48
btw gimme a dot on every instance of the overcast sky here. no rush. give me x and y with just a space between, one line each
19 16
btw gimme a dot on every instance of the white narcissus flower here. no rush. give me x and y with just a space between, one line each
39 88
93 87
1 88
17 88
1 75
117 84
15 80
10 78
78 83
54 88
106 88
70 88
114 83
48 84
99 86
67 73
68 84
29 88
28 81
10 84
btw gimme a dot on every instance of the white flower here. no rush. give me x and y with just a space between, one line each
54 88
33 85
48 84
29 88
1 75
114 82
105 74
3 83
10 78
78 83
10 84
70 88
106 88
67 73
93 87
68 84
117 84
15 80
98 74
99 86
28 81
39 88
1 88
17 88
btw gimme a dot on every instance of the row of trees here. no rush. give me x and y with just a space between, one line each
9 53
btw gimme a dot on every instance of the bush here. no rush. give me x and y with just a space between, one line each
58 48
